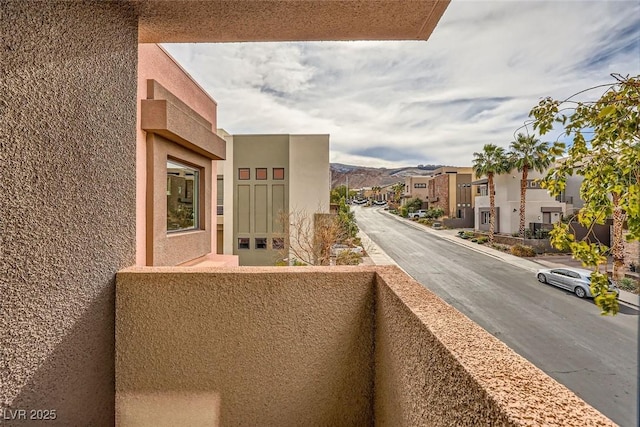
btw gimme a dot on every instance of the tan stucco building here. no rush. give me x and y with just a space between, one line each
177 151
265 177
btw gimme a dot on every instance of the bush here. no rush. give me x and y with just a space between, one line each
628 284
414 204
404 212
348 258
499 247
482 240
425 221
522 251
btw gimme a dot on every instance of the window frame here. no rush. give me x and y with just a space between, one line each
266 174
248 246
256 244
274 174
196 194
240 170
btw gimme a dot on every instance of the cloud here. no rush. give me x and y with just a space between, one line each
391 103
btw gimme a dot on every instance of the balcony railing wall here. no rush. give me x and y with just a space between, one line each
341 346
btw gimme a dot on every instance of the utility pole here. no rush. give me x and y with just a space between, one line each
346 194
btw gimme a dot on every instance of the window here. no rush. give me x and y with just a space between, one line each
261 243
420 185
261 173
484 217
244 173
220 195
278 173
182 197
243 243
277 243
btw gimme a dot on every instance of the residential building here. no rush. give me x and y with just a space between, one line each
265 178
102 342
541 208
416 186
450 190
176 158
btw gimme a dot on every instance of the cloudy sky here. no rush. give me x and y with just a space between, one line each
389 104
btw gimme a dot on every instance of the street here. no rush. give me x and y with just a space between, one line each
594 356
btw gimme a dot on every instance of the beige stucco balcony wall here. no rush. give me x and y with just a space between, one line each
339 346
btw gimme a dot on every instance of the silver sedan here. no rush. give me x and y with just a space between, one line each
576 280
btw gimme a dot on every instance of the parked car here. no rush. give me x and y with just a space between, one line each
576 280
418 214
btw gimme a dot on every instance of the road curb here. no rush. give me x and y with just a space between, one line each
526 264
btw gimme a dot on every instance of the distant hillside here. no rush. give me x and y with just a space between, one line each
361 176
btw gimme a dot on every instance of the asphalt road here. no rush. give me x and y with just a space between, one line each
594 356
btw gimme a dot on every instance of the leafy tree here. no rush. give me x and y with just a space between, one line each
605 150
435 213
490 162
376 190
347 221
527 152
398 189
341 192
414 204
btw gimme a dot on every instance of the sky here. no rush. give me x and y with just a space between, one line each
394 104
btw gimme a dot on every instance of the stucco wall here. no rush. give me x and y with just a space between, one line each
436 367
280 346
68 216
310 179
340 346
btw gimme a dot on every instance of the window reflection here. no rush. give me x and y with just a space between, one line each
182 197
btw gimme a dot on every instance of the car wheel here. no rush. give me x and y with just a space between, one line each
580 292
542 278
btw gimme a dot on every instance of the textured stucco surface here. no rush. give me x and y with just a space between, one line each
281 346
269 20
67 151
435 367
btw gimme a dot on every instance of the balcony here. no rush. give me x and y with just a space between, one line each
340 346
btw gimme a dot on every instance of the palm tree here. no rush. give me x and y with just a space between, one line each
527 152
490 162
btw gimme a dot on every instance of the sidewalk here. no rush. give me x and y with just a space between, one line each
529 264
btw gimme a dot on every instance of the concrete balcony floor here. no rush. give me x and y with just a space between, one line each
339 346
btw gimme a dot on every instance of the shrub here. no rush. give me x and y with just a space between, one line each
482 240
348 258
499 247
522 251
467 235
435 213
628 284
404 212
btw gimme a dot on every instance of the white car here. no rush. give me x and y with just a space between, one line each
418 214
576 280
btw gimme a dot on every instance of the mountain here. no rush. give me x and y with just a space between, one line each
362 176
